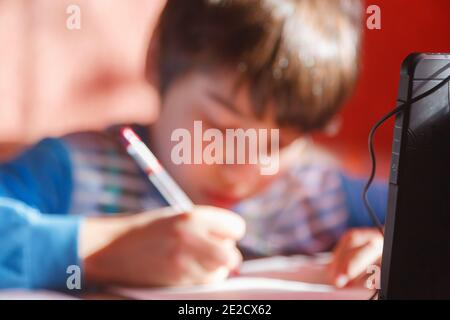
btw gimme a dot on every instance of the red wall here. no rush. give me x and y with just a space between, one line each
406 26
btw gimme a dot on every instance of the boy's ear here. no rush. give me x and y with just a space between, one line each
151 64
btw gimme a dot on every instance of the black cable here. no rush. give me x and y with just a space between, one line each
395 111
369 208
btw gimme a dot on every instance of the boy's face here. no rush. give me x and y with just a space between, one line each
212 98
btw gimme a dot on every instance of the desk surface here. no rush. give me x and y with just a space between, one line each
277 278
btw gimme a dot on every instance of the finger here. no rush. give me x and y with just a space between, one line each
194 273
213 253
221 222
235 266
222 273
337 254
352 239
216 276
361 236
166 215
356 261
344 245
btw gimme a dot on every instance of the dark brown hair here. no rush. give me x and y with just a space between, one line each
300 54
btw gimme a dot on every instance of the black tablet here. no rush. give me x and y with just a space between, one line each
416 253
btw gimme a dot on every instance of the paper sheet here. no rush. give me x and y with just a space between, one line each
274 278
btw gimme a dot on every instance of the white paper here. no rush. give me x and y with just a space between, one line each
274 278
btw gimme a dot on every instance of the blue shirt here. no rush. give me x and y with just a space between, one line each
37 240
46 191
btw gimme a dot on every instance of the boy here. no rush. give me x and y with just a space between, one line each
284 65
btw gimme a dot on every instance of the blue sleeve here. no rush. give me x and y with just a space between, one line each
41 177
378 193
35 248
37 241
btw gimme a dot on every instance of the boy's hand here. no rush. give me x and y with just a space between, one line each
160 248
356 251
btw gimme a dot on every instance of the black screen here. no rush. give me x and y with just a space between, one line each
416 254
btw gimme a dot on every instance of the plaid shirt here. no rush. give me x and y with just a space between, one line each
46 190
305 210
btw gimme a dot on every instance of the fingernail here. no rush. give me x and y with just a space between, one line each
341 281
234 272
